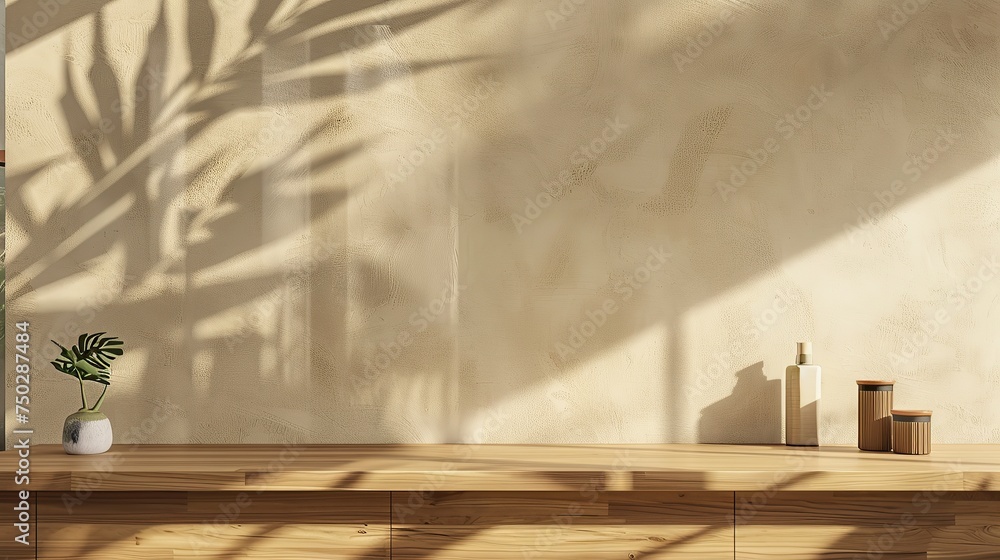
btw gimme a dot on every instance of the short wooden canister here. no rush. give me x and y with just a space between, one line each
875 415
911 432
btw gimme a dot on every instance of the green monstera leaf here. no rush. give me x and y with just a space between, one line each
90 358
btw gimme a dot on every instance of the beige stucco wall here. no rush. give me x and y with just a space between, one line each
225 188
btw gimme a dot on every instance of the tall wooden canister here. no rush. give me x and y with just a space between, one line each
875 415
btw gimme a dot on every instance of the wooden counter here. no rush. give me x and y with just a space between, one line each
508 467
454 502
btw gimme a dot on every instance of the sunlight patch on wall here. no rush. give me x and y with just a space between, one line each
417 408
129 377
286 218
64 295
202 367
619 394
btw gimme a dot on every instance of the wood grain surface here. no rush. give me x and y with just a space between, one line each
935 525
169 525
564 526
550 468
588 523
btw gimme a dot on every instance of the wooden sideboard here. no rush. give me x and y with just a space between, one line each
493 502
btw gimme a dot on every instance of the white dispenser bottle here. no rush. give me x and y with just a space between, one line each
802 395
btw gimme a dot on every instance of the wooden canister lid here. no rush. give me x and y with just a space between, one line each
911 415
869 385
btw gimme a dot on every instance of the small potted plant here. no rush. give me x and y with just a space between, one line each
88 431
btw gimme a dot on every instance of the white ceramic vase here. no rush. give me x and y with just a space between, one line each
86 433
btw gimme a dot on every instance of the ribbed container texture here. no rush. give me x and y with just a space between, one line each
875 416
911 437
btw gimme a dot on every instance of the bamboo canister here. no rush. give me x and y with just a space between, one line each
911 432
875 415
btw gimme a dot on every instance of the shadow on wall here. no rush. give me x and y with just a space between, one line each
136 224
752 414
358 224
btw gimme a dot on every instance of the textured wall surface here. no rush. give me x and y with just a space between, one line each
506 221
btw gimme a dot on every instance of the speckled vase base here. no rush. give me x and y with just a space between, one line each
86 433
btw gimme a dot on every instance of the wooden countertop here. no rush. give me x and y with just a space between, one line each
506 468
